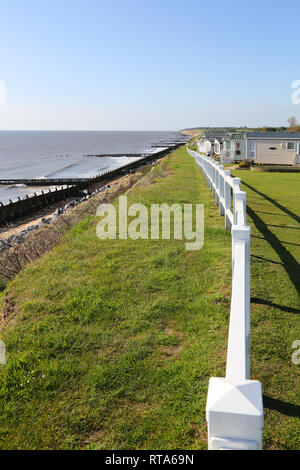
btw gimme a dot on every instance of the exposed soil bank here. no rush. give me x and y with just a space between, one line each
45 236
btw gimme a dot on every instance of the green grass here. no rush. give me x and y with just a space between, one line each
115 341
273 201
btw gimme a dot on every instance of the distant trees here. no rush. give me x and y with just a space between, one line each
272 129
294 126
269 129
293 123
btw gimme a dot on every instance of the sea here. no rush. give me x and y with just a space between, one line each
63 154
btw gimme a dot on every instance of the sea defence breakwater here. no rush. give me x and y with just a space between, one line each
67 187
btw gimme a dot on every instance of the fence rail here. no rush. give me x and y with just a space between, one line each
234 409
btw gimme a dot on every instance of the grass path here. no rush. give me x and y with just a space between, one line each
115 340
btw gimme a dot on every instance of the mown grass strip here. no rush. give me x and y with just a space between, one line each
273 201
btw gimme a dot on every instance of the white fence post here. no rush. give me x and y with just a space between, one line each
217 184
213 179
227 197
238 354
247 294
234 412
222 190
236 187
234 409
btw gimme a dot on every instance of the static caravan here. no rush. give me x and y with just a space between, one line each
206 146
218 145
211 141
273 148
234 148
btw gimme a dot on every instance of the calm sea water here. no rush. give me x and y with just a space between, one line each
52 154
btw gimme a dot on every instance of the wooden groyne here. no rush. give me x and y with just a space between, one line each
83 183
30 204
80 183
115 155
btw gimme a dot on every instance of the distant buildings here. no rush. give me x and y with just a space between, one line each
212 142
234 147
269 148
273 148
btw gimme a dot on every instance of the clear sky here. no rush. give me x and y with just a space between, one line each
148 64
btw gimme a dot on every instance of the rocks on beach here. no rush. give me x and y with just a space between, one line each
19 237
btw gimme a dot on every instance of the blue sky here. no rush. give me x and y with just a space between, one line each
148 64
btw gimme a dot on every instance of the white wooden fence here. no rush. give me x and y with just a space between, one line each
234 409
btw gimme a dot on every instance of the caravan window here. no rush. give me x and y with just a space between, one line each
252 149
291 146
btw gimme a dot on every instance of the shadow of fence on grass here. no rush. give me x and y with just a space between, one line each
284 308
283 407
276 204
289 263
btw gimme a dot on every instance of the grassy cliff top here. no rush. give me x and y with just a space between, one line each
111 343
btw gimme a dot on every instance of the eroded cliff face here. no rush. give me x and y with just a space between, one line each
191 132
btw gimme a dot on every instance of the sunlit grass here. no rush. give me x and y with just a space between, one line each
274 214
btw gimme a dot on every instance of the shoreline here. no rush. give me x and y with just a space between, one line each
14 228
70 187
23 187
61 155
